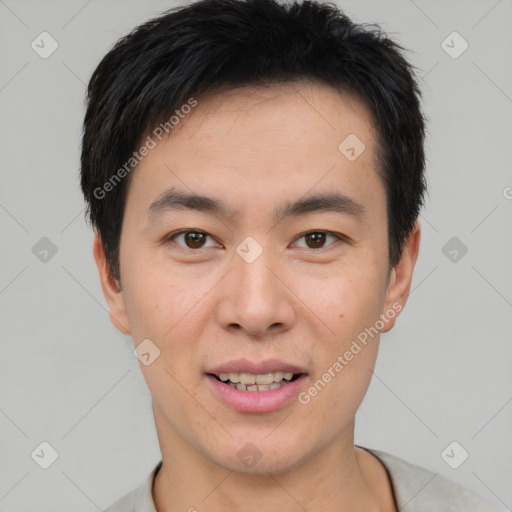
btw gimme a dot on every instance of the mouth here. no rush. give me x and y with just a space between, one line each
249 387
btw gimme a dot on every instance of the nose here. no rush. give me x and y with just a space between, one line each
256 298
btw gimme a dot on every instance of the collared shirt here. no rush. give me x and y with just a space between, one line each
415 487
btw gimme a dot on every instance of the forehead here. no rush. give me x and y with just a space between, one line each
266 142
318 106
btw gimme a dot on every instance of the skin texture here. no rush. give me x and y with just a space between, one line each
254 149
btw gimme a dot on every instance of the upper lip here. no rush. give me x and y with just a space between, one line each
245 366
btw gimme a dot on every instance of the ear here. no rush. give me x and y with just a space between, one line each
401 277
111 291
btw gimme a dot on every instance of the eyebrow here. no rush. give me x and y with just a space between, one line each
174 200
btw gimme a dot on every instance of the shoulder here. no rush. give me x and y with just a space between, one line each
140 499
124 504
422 490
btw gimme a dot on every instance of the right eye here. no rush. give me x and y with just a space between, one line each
192 238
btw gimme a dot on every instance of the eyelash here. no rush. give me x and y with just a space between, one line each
340 237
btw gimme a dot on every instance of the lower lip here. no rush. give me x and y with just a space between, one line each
257 401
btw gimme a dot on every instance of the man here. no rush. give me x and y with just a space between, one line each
254 173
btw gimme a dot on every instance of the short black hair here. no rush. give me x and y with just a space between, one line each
210 45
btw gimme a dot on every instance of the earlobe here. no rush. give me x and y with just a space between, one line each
111 290
401 276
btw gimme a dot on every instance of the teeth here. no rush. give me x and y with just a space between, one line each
249 379
256 387
265 378
260 382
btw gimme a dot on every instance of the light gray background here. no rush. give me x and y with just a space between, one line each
69 378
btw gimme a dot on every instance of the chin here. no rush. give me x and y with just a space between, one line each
258 455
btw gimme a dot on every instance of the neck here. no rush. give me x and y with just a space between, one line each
340 477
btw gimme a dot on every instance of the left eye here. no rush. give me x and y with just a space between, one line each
316 239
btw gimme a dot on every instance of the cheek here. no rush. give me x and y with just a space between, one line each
345 363
164 306
350 303
354 300
153 304
347 301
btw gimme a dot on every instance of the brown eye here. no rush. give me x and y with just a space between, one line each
316 239
194 239
190 239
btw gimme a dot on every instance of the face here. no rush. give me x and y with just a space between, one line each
256 285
